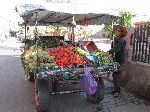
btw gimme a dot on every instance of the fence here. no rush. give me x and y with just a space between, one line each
141 43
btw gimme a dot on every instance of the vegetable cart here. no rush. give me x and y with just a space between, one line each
49 76
52 66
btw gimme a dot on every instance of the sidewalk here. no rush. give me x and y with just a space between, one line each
10 46
11 42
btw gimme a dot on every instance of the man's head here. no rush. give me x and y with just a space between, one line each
120 31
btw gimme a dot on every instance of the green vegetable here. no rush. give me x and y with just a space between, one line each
79 51
103 59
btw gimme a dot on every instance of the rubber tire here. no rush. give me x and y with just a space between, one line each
99 94
43 96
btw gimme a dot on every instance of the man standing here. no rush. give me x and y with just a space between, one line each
118 49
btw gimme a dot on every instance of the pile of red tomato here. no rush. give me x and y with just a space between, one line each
64 56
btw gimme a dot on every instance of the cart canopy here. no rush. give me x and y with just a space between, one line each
63 14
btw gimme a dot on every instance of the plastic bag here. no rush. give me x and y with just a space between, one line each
88 83
90 56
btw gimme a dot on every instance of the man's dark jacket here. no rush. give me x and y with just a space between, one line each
119 50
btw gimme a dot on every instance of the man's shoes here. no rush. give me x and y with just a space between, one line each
113 92
116 94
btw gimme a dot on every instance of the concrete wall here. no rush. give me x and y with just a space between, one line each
136 77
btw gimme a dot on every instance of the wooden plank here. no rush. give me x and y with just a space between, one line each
140 43
146 47
137 44
134 44
143 43
131 39
149 54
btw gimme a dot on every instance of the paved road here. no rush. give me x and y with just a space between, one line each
16 93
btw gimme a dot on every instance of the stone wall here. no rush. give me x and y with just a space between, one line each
136 78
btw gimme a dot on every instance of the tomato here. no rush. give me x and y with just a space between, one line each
64 56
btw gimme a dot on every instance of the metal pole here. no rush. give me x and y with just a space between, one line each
73 26
112 44
73 36
36 34
36 38
25 25
112 29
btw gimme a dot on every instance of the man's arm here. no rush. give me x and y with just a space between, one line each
118 46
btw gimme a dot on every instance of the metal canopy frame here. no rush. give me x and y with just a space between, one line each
61 14
39 15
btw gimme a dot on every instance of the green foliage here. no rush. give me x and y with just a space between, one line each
36 32
126 20
127 16
108 29
84 33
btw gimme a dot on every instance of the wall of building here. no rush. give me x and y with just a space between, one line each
136 77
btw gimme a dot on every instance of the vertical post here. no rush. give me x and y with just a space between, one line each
73 36
140 42
149 55
36 34
143 42
146 46
112 44
112 29
134 44
25 25
36 38
137 44
73 26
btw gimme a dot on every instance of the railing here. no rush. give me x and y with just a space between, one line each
141 43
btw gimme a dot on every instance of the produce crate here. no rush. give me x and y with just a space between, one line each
89 46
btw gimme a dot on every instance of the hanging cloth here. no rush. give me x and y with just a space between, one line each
85 21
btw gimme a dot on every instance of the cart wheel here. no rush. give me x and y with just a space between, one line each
41 96
99 95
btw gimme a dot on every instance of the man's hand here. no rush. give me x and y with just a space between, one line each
108 54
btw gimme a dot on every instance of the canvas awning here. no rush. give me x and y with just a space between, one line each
62 14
